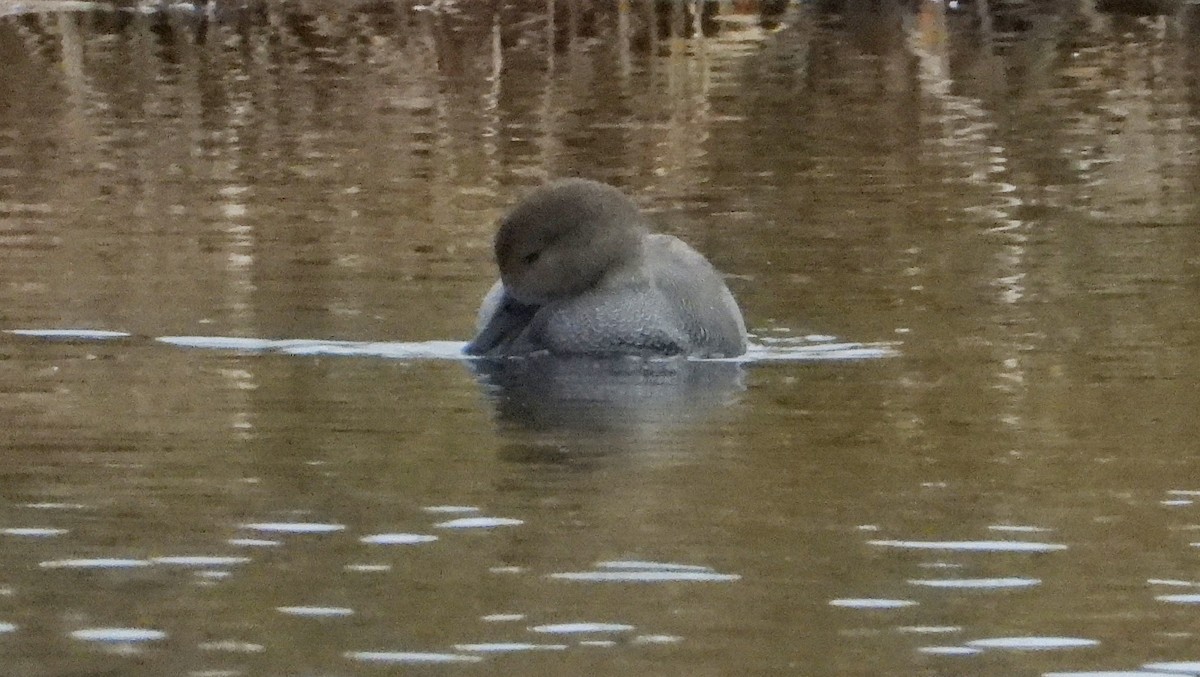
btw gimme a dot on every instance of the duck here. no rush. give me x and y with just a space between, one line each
583 274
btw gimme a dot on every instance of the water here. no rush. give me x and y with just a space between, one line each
963 236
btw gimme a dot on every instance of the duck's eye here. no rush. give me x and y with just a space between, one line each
531 258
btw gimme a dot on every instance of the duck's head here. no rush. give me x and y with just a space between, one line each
564 237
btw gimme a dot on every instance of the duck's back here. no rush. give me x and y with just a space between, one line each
672 303
704 307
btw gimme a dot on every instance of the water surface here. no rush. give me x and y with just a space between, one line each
963 237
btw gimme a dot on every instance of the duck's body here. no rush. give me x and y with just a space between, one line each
581 274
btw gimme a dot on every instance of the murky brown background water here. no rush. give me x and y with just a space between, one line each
1007 193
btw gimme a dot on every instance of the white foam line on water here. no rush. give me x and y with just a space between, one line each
645 565
782 349
78 334
1175 667
34 532
508 647
479 523
581 628
410 657
976 583
122 635
429 350
1032 643
1110 673
787 351
871 603
645 576
972 546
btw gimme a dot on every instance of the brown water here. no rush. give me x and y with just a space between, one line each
1004 195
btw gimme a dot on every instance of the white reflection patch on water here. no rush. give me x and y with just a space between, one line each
316 611
508 647
398 539
657 639
800 350
1033 643
36 532
1184 492
1179 599
650 566
502 618
598 642
55 506
95 563
7 627
871 603
200 560
580 628
929 629
1018 528
976 583
949 650
479 523
1181 667
645 576
253 542
400 657
1172 582
452 509
638 571
76 334
1104 673
368 568
121 635
973 546
427 350
294 527
231 646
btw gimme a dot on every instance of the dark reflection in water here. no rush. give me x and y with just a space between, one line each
612 398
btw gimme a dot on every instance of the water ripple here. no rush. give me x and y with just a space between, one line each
479 523
871 603
1183 667
973 546
75 334
200 560
508 647
645 576
316 611
949 650
768 350
398 539
1105 673
1032 643
294 527
37 532
580 628
976 583
1179 599
121 635
402 657
95 563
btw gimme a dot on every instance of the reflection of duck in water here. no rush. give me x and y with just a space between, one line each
581 274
